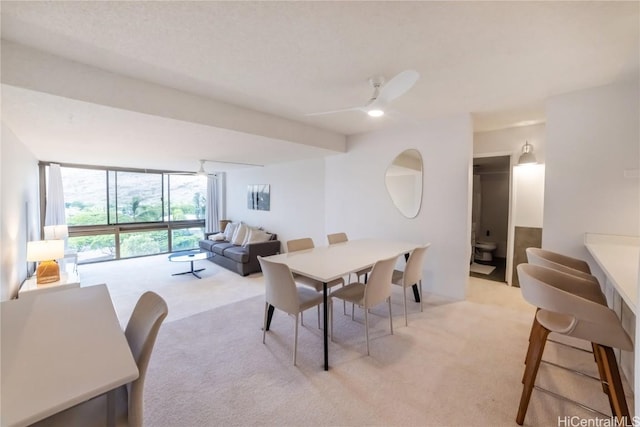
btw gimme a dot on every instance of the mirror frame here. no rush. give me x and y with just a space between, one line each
407 157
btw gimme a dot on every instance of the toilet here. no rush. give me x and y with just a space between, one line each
484 250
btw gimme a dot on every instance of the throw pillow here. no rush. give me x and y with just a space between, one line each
239 234
229 230
217 237
256 236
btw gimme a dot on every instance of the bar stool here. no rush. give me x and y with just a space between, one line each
562 311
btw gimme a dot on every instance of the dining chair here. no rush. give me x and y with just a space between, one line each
562 311
301 245
376 291
282 293
141 333
412 275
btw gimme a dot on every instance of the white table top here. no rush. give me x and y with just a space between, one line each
326 263
60 349
619 258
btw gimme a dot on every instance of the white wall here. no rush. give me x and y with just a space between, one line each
592 138
297 199
358 204
19 207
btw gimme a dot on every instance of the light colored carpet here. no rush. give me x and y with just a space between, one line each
457 363
481 269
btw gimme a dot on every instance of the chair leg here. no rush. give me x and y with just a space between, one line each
612 376
330 311
404 296
319 317
366 327
421 295
601 372
295 341
264 326
538 340
391 316
301 318
353 307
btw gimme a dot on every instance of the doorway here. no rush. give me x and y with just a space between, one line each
490 217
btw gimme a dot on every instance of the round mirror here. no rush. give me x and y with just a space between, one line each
404 182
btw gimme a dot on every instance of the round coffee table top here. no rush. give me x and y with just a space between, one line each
185 256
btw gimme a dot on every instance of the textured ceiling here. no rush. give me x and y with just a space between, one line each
497 60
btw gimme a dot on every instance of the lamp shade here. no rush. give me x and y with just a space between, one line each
527 157
56 232
45 250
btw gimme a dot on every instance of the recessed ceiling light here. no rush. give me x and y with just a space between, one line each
375 113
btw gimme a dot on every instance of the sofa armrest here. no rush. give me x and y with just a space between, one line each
207 234
270 247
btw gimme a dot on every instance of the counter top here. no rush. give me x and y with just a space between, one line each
619 258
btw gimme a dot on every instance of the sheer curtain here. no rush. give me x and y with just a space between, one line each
54 210
211 214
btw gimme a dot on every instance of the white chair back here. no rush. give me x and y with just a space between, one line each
337 238
280 287
378 287
141 332
299 244
413 270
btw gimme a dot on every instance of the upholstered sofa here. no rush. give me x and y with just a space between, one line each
243 259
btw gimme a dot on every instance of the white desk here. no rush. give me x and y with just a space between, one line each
619 258
327 263
60 349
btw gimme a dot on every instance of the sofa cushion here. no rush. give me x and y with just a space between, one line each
229 230
239 234
236 253
256 236
220 247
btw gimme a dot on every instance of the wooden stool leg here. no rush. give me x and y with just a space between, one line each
616 392
534 331
538 340
601 372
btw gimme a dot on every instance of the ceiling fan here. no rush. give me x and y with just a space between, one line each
383 93
202 172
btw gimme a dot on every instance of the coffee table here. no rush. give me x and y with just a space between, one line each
189 256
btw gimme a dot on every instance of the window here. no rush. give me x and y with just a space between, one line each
116 213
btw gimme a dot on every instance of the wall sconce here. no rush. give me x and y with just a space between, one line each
46 252
527 157
56 232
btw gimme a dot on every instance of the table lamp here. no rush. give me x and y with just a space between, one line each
56 232
46 252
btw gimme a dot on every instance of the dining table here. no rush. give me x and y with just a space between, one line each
328 263
60 349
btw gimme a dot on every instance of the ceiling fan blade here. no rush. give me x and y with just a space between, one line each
335 111
397 86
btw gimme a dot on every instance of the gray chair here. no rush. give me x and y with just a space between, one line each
564 312
376 291
282 293
141 332
412 275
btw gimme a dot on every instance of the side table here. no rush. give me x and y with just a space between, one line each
67 280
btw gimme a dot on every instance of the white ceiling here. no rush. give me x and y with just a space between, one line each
497 60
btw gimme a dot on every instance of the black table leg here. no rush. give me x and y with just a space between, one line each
416 294
270 315
192 271
326 327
